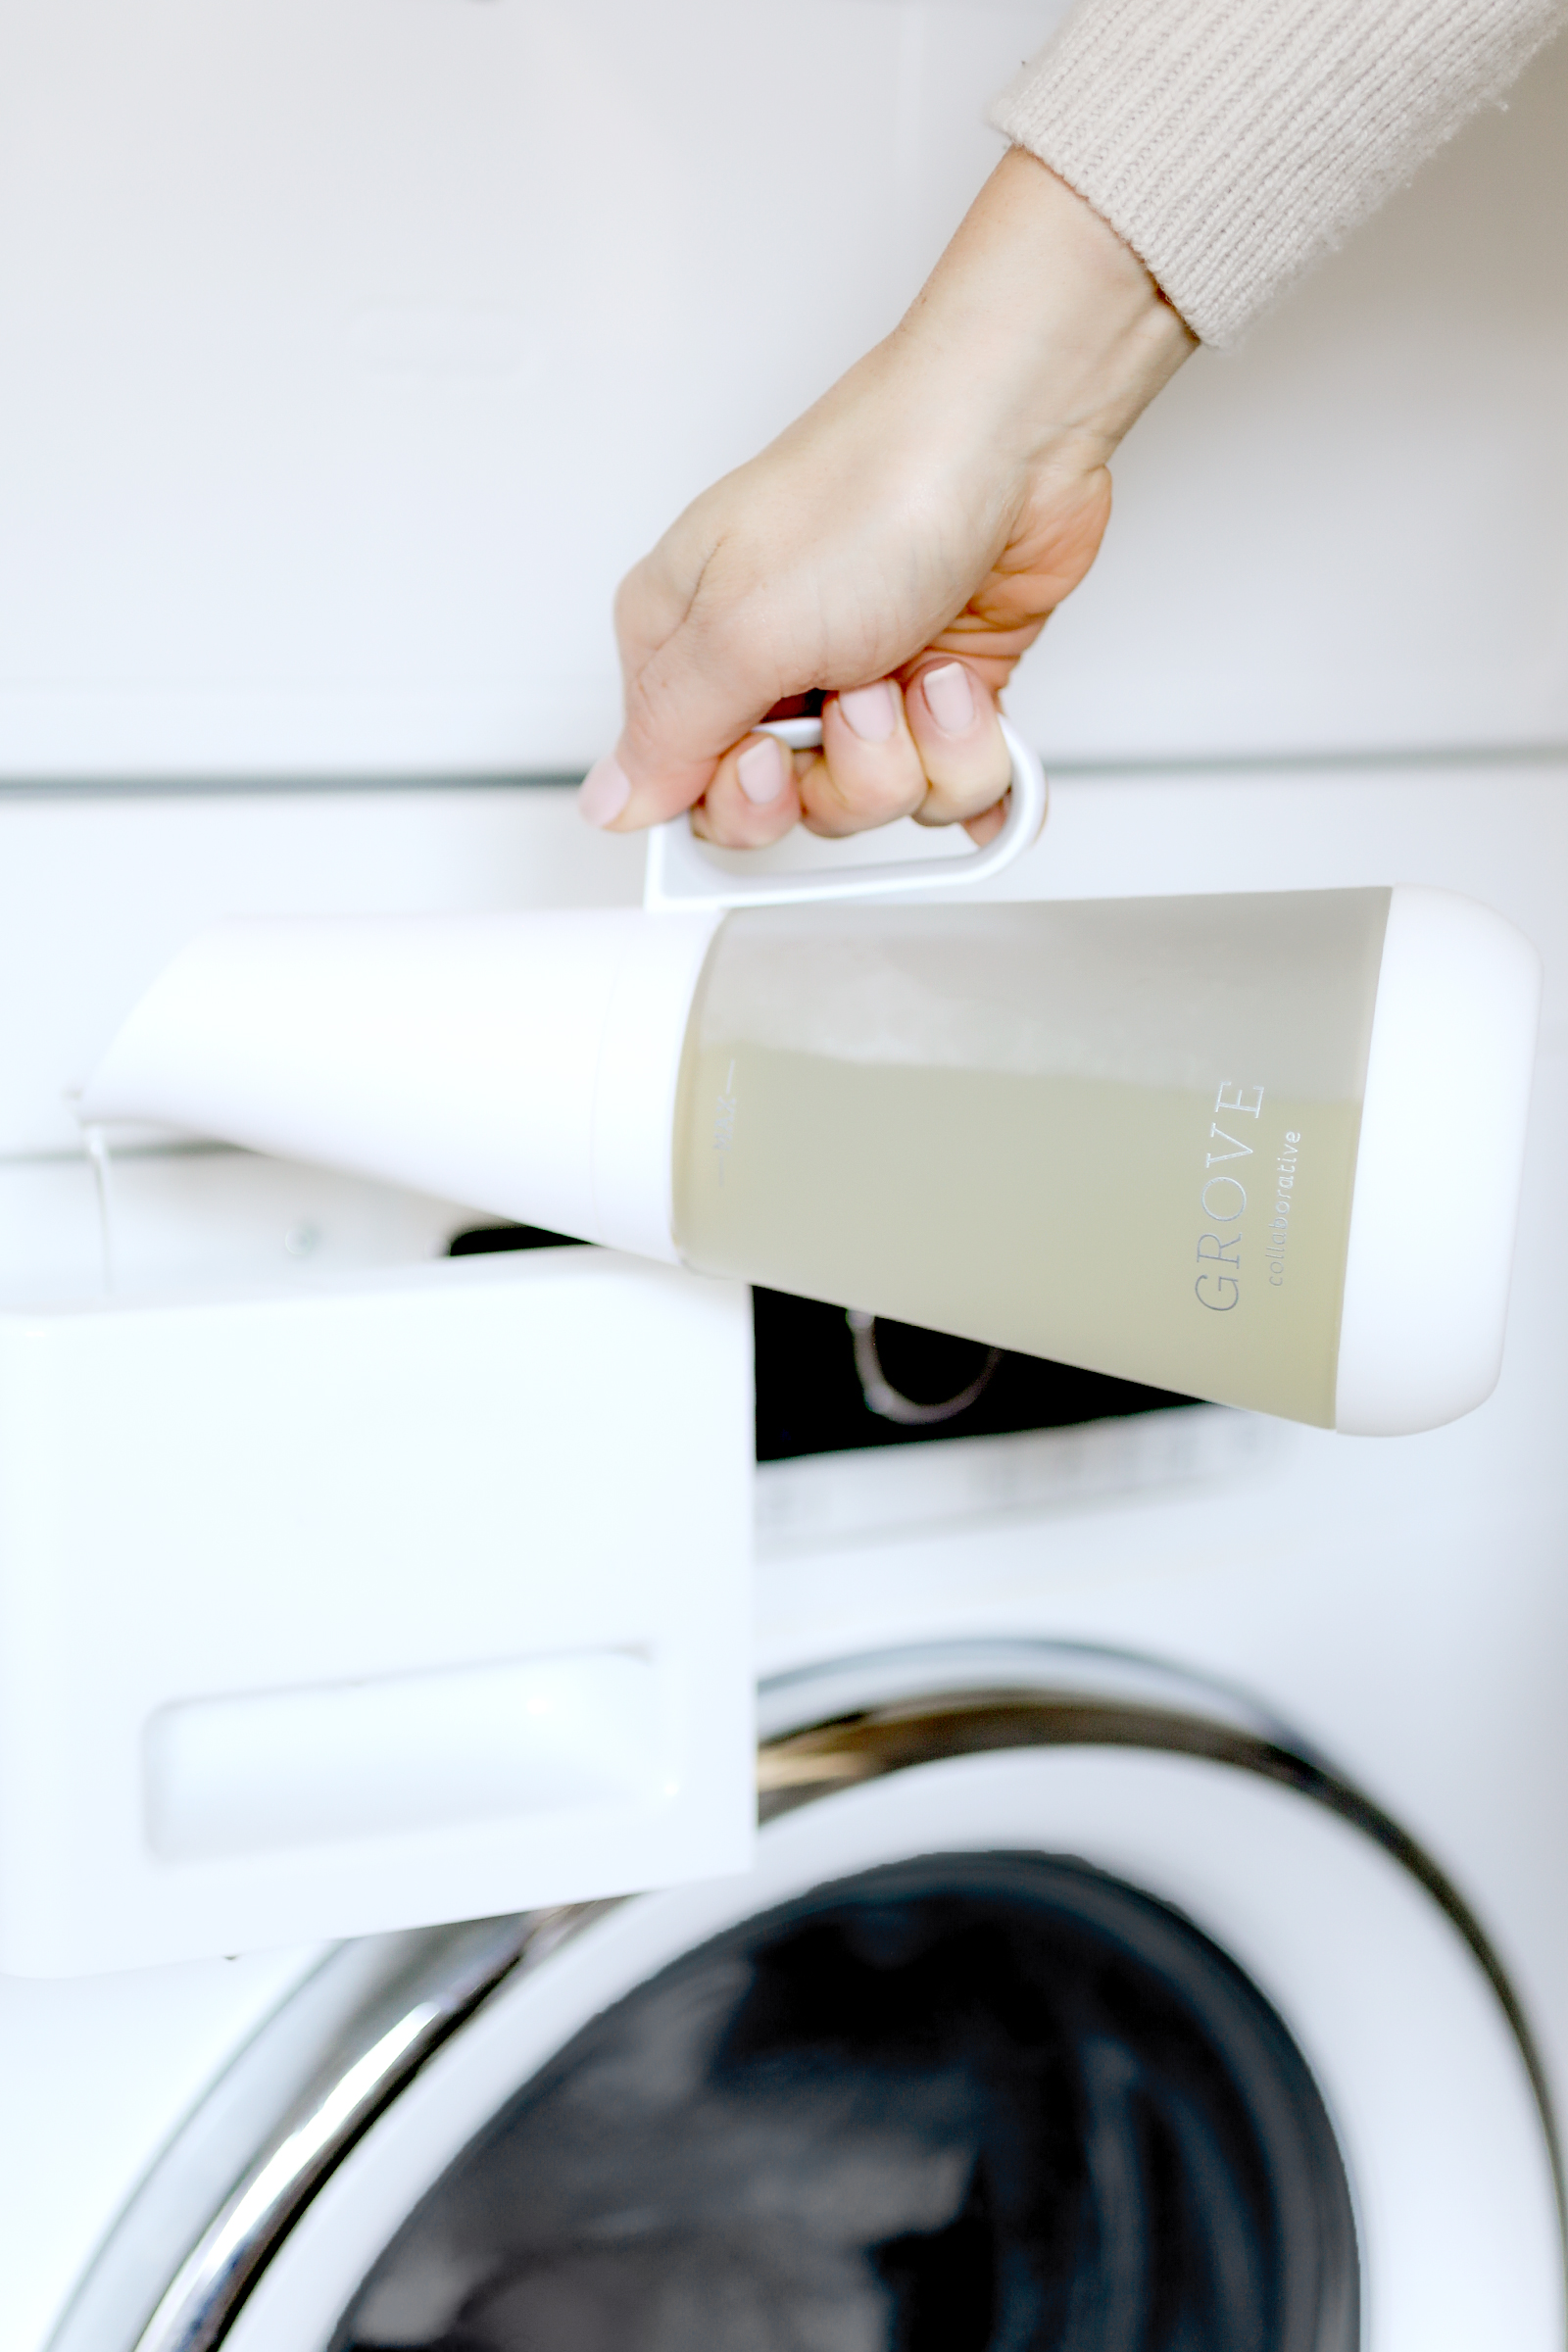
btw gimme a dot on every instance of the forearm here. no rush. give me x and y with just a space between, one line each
1044 320
1035 343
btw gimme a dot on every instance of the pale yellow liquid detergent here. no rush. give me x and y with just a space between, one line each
1119 1133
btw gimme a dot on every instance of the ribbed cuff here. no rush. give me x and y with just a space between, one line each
1234 142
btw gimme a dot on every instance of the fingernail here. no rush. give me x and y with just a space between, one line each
760 769
604 792
869 711
950 698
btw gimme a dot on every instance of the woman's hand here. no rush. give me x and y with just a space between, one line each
899 547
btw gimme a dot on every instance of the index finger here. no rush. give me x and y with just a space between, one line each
698 675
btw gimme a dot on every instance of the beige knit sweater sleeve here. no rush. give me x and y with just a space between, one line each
1233 142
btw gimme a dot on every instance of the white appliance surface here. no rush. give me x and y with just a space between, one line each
1401 1603
355 347
301 1634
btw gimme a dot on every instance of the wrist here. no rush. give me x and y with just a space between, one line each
1056 330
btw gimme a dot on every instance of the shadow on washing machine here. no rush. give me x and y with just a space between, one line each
831 1382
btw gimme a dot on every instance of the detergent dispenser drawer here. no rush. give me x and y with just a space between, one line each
412 1596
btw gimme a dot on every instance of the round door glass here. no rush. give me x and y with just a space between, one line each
971 2103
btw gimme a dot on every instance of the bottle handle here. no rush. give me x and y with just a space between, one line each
679 873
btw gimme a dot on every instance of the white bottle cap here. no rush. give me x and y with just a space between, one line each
523 1064
1438 1165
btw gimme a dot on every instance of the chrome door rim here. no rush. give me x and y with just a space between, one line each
176 2267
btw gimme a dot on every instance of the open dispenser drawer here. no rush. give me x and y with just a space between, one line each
402 1597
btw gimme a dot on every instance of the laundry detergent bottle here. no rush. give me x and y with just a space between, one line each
1263 1148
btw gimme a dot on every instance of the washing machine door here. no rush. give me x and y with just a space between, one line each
1070 2004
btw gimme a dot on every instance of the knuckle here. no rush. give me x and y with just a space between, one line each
966 786
881 807
879 791
863 806
944 808
963 797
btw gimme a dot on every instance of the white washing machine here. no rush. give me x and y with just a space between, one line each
1157 1924
994 2036
1158 1931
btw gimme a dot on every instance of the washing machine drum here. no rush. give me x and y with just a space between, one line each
965 2100
1070 2007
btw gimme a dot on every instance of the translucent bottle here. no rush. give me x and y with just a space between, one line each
1125 1134
1261 1149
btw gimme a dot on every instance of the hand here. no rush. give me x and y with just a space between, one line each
898 547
